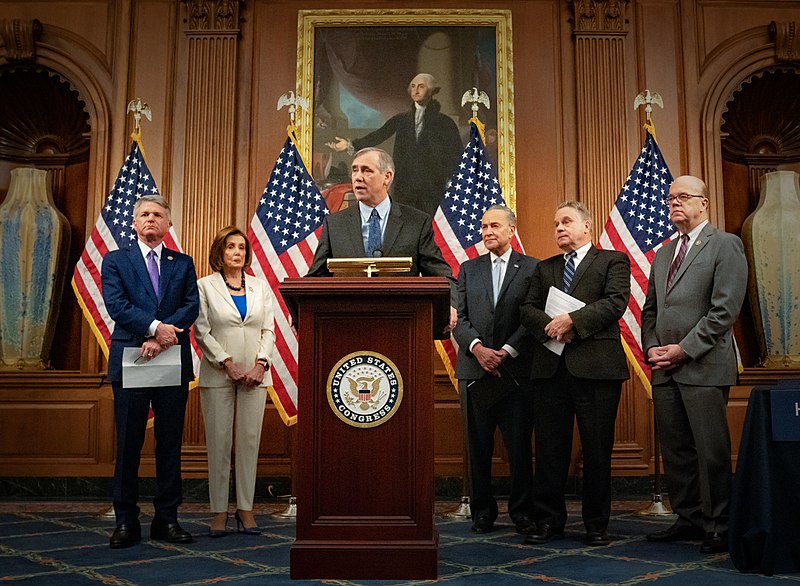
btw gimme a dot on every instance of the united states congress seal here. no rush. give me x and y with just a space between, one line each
365 389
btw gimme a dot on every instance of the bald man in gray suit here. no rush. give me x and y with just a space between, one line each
696 289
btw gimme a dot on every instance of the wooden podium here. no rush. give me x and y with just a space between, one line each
365 489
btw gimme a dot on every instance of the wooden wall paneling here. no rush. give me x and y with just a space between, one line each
55 424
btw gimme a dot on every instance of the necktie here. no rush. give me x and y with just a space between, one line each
676 264
418 121
497 278
374 239
152 270
569 270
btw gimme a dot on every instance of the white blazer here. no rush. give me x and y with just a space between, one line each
221 332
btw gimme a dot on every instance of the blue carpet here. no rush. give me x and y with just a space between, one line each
72 548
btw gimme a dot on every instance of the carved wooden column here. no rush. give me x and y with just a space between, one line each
209 153
209 148
603 165
600 29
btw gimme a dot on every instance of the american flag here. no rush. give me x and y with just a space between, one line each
457 224
114 230
638 225
284 235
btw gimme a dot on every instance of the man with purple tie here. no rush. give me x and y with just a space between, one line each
151 294
697 286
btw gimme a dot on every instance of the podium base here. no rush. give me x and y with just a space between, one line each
373 560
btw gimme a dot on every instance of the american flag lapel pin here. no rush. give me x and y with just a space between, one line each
169 258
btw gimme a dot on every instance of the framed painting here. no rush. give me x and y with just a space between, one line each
359 71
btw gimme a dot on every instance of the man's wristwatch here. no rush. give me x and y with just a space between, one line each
263 362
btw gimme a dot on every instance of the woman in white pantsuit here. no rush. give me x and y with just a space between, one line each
235 331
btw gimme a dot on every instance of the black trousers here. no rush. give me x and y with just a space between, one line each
513 415
559 401
131 408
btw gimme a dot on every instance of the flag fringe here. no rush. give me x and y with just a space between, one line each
88 317
447 366
640 374
287 420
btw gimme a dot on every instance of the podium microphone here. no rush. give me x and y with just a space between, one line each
377 253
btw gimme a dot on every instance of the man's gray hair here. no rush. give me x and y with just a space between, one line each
511 218
582 210
151 198
385 162
429 79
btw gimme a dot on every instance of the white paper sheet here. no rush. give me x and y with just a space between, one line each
162 371
559 303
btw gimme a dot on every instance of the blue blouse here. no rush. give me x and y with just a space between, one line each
241 304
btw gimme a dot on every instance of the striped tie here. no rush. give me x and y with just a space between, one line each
676 264
569 270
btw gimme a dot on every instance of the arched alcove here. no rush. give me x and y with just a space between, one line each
44 124
759 133
57 97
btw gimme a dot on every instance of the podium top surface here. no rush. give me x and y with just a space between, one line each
437 289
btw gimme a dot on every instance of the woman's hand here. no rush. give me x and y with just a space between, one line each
234 371
255 376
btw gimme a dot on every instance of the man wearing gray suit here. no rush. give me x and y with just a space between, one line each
696 289
493 368
379 226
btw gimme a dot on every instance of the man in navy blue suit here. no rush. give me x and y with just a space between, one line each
151 294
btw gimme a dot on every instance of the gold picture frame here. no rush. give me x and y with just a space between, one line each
499 118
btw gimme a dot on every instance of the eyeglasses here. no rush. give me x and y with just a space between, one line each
681 197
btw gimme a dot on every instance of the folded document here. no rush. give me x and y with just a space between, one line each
559 303
162 371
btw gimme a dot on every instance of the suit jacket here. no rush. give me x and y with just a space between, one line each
423 164
494 325
602 281
700 308
221 332
133 304
408 233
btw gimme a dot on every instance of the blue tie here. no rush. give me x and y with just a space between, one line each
374 235
569 270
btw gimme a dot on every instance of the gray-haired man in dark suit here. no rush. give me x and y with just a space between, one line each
493 368
585 381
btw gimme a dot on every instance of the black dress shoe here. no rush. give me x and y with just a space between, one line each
544 532
715 542
524 525
595 538
170 532
125 535
677 533
483 524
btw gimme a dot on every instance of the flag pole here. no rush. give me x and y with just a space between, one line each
657 507
139 108
293 102
463 510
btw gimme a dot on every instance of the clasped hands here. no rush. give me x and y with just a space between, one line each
560 328
249 378
165 337
666 357
490 360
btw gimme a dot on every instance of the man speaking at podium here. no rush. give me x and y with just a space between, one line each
379 227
